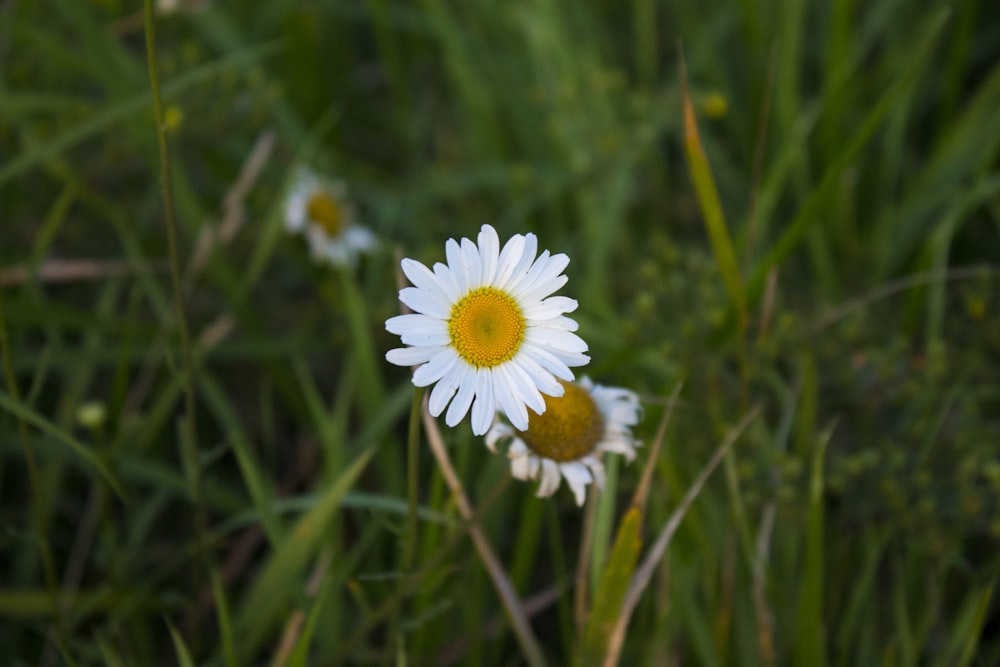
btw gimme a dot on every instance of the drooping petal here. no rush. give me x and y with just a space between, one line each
550 478
520 467
578 477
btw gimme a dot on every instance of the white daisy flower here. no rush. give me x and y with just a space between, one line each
485 328
568 439
320 209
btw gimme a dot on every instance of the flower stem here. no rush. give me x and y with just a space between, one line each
515 610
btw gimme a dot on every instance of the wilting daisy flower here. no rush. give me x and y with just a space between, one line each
486 330
569 438
321 210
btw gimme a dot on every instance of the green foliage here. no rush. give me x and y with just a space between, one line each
826 245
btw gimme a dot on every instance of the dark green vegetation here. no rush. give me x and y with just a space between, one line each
855 299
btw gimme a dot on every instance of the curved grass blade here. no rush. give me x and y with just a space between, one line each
711 207
21 410
281 575
611 592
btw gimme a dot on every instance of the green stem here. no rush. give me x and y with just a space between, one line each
188 438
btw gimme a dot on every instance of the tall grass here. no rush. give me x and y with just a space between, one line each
806 225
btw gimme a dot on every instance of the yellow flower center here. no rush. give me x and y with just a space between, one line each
486 327
325 212
570 427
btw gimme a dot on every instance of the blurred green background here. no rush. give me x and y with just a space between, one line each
854 147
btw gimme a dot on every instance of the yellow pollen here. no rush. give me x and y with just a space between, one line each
486 327
325 212
570 427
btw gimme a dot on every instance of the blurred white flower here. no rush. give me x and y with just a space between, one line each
320 209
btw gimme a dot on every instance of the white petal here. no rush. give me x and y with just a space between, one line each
440 395
597 470
545 272
497 432
427 302
509 258
540 378
549 362
550 478
489 252
359 238
508 397
401 323
578 477
426 339
485 406
524 387
448 281
541 288
520 467
526 272
437 367
555 340
549 309
535 467
524 261
545 289
419 275
463 399
457 265
411 356
571 358
618 446
412 323
564 323
473 263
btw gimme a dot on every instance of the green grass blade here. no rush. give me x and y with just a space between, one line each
810 636
812 207
261 493
224 617
614 583
22 411
300 655
281 575
119 111
183 654
711 207
967 629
